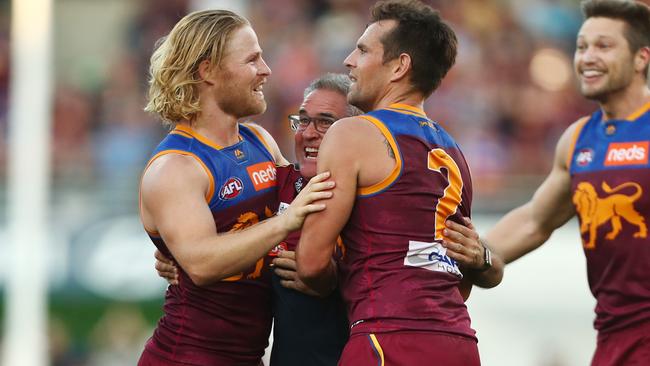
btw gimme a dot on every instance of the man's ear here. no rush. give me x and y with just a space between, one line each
401 66
642 59
206 72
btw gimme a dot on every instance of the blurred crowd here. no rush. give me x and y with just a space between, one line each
507 99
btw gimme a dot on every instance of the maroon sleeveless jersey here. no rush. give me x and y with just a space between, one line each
290 183
610 182
228 322
394 274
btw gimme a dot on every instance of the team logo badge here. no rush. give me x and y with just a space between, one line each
231 189
585 157
595 211
239 154
245 220
277 249
299 184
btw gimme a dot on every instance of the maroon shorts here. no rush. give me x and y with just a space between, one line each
629 347
149 358
409 348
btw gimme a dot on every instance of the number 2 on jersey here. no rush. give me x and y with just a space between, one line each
451 198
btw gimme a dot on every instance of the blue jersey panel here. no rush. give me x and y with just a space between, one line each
611 145
240 171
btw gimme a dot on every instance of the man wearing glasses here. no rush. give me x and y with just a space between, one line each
308 330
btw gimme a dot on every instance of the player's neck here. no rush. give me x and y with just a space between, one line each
217 126
626 102
399 96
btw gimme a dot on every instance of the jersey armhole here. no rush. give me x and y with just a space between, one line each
260 137
397 169
208 195
574 139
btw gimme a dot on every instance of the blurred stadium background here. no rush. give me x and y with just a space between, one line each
510 95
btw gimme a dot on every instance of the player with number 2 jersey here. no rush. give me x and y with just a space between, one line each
393 237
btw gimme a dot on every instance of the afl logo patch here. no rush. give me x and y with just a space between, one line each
585 157
231 189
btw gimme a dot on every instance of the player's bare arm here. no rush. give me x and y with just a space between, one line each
523 229
354 152
284 265
529 226
173 204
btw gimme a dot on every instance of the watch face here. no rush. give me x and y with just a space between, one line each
487 258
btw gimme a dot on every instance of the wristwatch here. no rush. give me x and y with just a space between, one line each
487 257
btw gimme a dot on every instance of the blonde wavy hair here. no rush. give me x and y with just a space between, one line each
173 74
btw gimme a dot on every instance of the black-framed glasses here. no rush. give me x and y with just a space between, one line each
300 123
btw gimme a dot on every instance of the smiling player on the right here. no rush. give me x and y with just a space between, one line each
601 174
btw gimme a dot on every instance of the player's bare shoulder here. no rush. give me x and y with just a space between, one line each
171 172
168 178
355 132
363 147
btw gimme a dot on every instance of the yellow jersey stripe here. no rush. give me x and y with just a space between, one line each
151 232
364 191
188 130
259 136
639 112
377 348
182 133
409 108
574 140
406 112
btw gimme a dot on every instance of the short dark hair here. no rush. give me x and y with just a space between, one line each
339 83
423 35
634 14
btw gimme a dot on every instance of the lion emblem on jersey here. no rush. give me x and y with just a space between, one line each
243 221
595 211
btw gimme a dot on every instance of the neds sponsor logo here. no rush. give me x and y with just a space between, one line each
627 153
262 175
